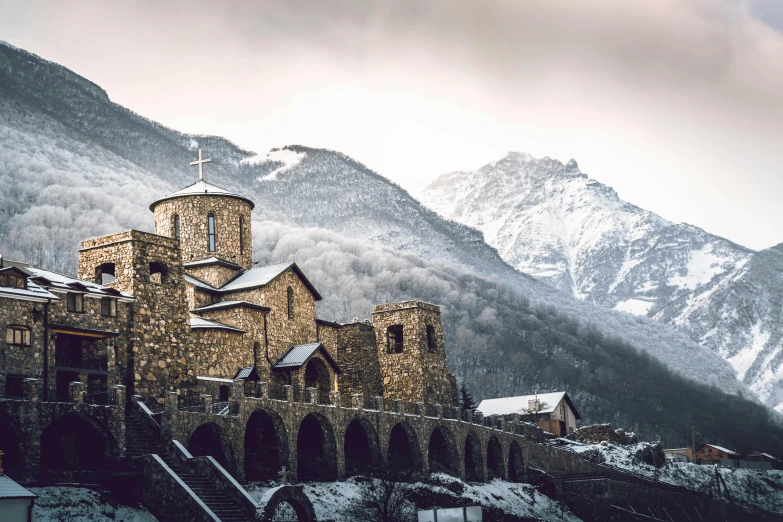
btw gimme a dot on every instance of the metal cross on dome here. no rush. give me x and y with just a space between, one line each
200 164
284 476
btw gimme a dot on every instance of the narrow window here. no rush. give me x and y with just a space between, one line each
176 226
76 303
431 338
18 335
225 393
394 339
211 232
241 235
108 307
290 303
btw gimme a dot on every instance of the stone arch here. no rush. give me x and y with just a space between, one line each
474 460
516 463
317 376
74 443
266 445
10 443
105 273
361 449
495 464
404 450
290 495
210 439
442 454
316 450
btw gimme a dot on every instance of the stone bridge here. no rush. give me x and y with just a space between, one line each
254 437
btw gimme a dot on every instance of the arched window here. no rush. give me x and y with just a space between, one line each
290 296
241 235
105 274
211 232
158 272
176 226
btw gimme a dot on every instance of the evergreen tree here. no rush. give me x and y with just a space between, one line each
466 401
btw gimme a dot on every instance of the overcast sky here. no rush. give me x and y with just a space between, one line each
677 104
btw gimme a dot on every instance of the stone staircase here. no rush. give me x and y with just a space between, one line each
139 442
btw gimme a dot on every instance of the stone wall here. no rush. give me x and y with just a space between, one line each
193 212
420 372
357 356
597 433
159 347
215 274
21 360
282 332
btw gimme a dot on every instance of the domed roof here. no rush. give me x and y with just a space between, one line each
202 188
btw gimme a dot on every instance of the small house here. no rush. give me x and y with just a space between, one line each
678 454
552 412
16 503
712 454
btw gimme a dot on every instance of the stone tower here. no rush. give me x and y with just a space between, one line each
213 227
412 353
149 267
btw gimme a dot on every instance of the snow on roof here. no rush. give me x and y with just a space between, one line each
721 448
509 405
222 305
213 379
207 324
47 280
263 275
10 489
208 261
202 188
297 356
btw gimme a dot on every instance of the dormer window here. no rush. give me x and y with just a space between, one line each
13 281
76 303
211 233
176 226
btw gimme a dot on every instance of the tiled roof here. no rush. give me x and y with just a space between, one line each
207 324
209 261
202 188
509 405
222 305
10 489
263 275
249 372
721 448
298 355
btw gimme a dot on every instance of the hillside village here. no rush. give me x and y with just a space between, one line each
173 365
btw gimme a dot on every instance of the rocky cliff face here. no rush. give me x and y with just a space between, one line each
552 221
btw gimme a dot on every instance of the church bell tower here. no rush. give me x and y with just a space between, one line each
213 227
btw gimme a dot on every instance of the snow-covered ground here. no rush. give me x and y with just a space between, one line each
521 500
56 504
756 488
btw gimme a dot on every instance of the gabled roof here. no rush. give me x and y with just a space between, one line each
199 323
201 285
210 261
719 448
509 405
297 356
224 305
10 489
263 275
201 188
249 373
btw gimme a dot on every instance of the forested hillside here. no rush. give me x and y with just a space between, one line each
75 165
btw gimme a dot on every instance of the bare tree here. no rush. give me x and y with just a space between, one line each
382 499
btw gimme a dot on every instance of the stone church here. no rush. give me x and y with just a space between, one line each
186 310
